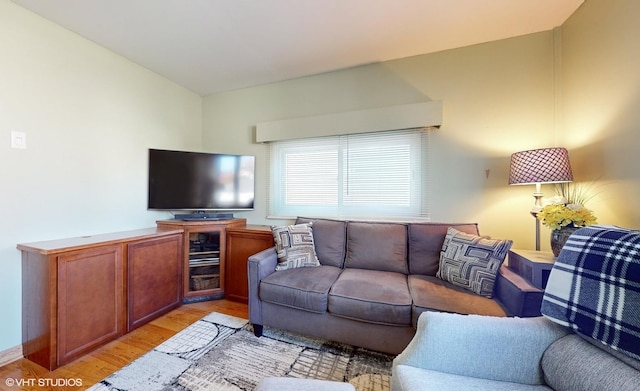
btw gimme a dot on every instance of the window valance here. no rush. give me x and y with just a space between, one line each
409 116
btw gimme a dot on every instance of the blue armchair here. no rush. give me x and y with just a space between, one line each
459 352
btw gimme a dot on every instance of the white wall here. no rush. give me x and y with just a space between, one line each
577 87
498 99
89 116
601 104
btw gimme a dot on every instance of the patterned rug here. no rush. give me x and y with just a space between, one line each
220 352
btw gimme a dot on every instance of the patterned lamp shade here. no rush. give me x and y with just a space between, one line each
546 165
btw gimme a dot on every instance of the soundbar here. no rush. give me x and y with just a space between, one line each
195 216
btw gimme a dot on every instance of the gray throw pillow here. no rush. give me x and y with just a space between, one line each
294 246
471 261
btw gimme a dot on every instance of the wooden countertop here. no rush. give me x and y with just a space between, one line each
78 243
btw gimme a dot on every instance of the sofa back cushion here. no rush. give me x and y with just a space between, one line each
425 244
330 240
377 246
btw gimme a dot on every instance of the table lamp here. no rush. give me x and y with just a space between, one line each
538 166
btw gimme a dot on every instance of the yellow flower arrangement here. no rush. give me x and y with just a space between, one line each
559 213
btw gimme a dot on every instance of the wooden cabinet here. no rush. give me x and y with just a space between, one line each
80 293
153 264
242 242
204 248
90 300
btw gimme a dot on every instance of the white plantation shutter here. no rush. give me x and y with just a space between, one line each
381 174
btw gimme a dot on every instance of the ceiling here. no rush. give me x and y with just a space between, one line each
211 46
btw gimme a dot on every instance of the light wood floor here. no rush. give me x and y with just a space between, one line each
97 365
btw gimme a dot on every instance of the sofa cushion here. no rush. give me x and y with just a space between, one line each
572 363
410 378
432 293
471 261
330 238
377 246
425 244
507 350
294 246
387 301
302 288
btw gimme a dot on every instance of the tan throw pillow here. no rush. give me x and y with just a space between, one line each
471 261
294 246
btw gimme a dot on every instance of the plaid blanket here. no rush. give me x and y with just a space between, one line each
594 287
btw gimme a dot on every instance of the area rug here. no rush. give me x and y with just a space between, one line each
220 352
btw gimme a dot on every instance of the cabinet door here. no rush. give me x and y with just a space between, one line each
241 244
90 300
154 274
204 265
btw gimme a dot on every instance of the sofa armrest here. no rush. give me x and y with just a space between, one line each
486 347
517 295
259 266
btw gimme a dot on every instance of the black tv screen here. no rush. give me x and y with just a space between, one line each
197 181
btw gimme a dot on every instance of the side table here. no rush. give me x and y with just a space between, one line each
521 282
534 266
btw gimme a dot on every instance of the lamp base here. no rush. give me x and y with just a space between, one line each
537 207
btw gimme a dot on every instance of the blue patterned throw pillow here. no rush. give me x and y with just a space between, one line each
294 246
471 261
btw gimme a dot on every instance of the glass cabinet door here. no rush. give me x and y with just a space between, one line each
204 261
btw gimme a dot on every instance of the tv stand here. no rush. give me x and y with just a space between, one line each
204 256
202 215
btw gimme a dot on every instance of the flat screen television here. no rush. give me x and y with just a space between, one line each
196 181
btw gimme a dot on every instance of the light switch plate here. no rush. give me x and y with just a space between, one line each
18 140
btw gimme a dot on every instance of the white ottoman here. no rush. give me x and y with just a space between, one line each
293 384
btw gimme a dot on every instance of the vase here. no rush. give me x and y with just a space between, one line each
559 237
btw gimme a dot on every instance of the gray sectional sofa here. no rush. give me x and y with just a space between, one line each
374 281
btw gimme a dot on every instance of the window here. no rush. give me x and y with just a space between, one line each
381 174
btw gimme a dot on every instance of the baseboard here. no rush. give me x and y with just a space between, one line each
10 355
